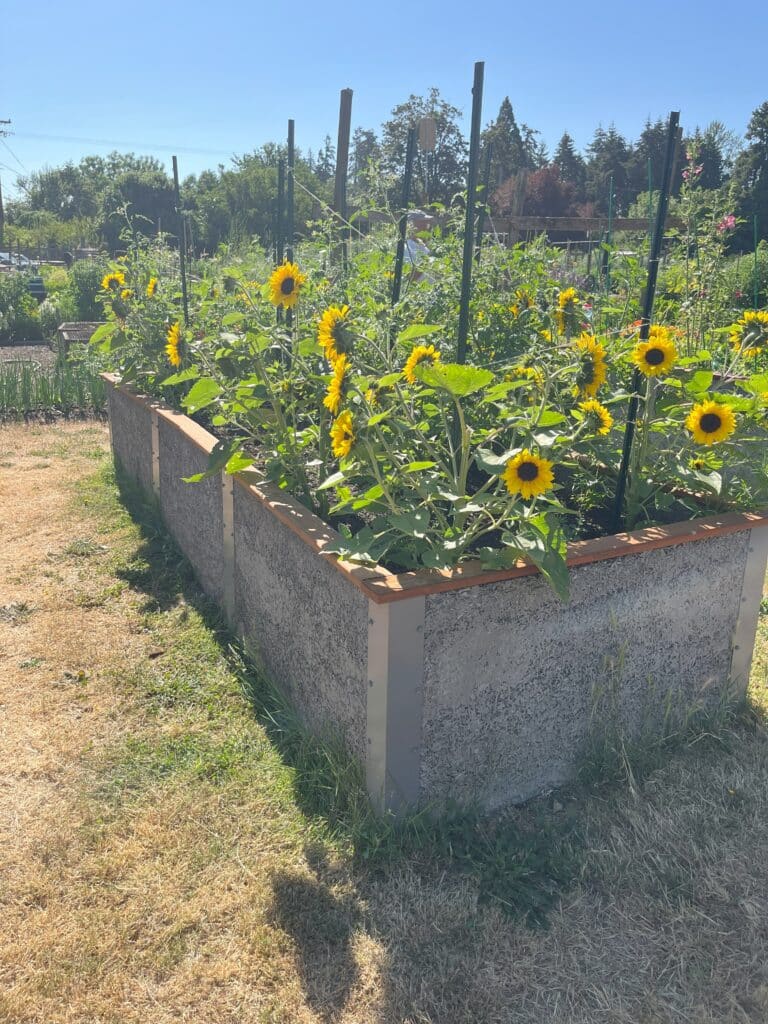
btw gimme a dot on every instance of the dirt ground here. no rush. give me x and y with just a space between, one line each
41 352
156 864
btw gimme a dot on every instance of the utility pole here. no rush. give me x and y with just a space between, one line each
3 133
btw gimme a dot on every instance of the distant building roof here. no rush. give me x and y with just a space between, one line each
77 331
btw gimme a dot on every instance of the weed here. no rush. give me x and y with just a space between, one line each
16 613
82 547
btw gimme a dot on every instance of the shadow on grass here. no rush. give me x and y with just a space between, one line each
522 868
321 921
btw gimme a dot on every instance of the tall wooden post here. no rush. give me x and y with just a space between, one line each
342 161
182 241
469 220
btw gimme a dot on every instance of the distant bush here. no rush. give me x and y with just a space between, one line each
85 278
19 318
740 275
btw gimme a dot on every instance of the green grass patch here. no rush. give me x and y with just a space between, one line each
231 726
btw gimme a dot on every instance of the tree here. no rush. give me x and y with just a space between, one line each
546 195
609 156
325 163
514 148
440 177
651 146
750 180
570 166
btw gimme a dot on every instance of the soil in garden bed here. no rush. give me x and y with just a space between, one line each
36 351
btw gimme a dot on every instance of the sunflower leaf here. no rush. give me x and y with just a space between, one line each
202 394
492 463
220 456
699 382
456 378
414 524
417 331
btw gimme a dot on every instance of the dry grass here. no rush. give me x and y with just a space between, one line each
159 863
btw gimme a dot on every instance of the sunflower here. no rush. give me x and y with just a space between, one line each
126 293
333 398
333 333
420 353
710 422
342 435
151 287
174 344
527 474
114 280
523 300
599 415
592 371
523 370
568 313
657 355
285 285
750 334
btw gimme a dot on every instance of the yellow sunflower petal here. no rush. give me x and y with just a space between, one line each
528 475
285 284
419 353
710 422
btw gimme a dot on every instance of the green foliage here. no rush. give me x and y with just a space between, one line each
420 462
19 318
26 388
83 287
439 177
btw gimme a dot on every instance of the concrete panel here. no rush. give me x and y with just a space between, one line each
305 625
395 681
510 672
131 430
192 512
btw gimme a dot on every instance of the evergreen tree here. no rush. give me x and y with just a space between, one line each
570 166
609 156
652 145
365 152
325 164
750 180
515 148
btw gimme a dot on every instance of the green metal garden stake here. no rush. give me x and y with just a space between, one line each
648 297
754 238
410 149
609 238
484 204
279 237
650 203
280 225
182 241
289 210
289 195
469 222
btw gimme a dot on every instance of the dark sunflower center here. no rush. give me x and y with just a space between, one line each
342 338
710 422
587 370
527 471
654 356
286 285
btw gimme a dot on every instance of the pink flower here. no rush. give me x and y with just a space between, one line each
727 223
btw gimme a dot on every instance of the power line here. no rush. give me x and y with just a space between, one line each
122 142
19 162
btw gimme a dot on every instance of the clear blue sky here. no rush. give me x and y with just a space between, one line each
211 80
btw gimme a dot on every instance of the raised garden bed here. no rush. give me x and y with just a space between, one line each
463 685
